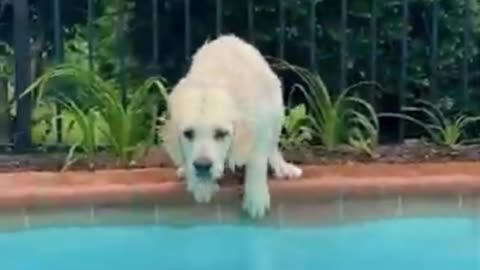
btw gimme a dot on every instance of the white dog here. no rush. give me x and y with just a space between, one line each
228 110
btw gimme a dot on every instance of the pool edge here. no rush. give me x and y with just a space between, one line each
26 189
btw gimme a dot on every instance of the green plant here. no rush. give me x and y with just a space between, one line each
6 60
298 38
364 134
105 53
332 119
44 128
127 128
42 131
6 71
295 130
86 121
442 130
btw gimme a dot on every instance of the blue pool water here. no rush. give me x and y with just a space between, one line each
429 243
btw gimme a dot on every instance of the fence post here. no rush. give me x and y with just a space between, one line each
4 116
403 66
121 49
434 53
343 46
313 35
218 17
90 34
59 57
21 136
467 13
251 22
155 34
187 29
281 30
373 51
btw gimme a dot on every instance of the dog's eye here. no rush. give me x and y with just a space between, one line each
189 134
220 134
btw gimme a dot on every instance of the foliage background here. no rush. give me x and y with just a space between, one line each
172 62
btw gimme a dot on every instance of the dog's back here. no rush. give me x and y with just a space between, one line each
240 67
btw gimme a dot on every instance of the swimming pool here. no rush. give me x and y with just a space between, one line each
433 239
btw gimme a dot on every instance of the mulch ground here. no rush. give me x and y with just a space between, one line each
396 154
405 153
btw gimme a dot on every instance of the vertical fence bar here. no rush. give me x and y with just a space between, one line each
281 41
466 51
250 18
5 128
155 33
313 36
218 16
281 31
58 37
404 65
121 49
21 34
4 110
90 33
187 30
155 50
434 53
373 50
343 46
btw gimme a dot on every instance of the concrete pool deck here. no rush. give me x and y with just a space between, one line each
160 185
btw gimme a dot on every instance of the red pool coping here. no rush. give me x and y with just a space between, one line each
24 189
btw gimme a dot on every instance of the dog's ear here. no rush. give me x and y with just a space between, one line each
169 133
242 144
171 142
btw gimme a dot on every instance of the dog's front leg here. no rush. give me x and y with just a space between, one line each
256 200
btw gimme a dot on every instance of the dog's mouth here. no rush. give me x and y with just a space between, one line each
203 175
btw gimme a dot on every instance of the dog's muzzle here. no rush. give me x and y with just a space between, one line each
203 167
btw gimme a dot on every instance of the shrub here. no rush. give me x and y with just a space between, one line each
441 130
335 120
295 131
127 128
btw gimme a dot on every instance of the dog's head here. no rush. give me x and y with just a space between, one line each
203 131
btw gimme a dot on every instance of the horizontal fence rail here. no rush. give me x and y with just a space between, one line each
378 43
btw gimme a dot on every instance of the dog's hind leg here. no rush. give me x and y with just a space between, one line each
281 168
180 172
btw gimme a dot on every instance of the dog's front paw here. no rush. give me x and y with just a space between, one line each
203 192
287 170
180 173
257 202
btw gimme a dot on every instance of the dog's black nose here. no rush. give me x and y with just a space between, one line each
202 165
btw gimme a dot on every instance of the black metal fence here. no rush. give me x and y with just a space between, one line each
20 135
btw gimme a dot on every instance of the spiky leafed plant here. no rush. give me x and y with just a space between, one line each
127 127
441 130
296 131
332 119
